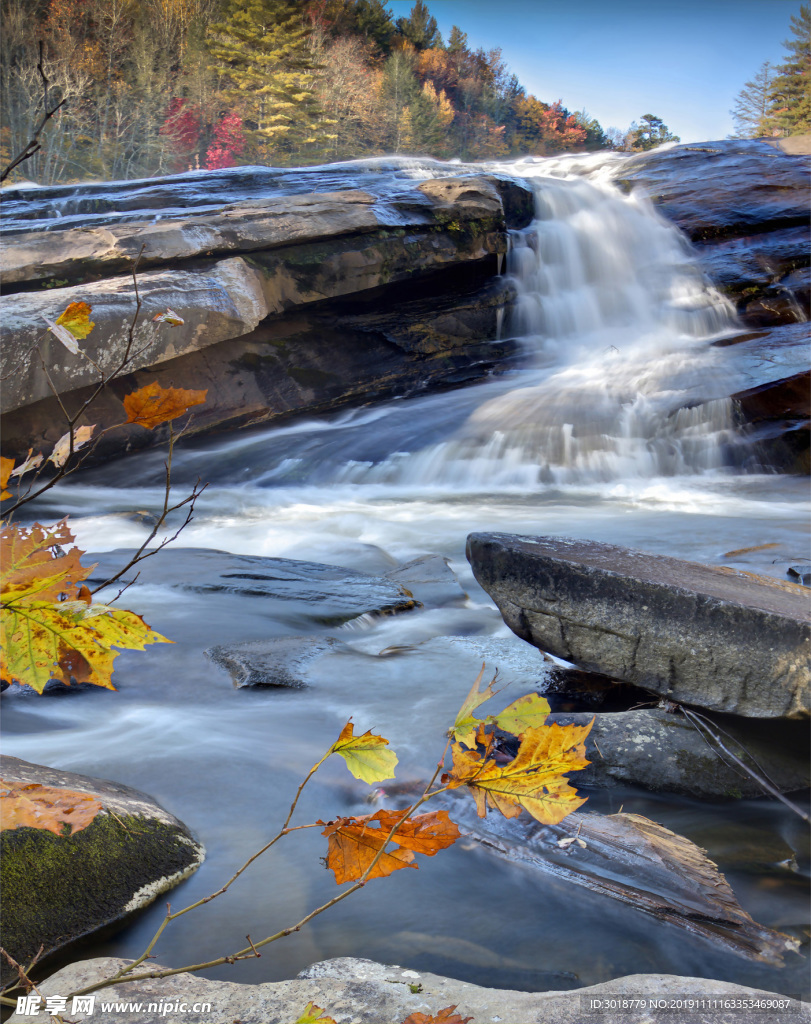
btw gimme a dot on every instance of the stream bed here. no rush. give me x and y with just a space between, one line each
615 428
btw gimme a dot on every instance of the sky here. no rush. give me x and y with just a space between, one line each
683 60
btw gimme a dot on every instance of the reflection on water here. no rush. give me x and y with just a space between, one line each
617 429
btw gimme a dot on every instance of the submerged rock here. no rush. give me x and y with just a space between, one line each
281 661
58 888
326 594
714 637
665 752
365 992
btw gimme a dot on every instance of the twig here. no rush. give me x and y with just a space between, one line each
34 145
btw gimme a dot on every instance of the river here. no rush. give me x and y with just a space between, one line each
615 426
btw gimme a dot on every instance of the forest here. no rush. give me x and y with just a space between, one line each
162 86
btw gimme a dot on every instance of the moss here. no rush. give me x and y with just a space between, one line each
58 888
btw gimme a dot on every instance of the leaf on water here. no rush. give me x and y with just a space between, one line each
59 456
465 726
314 1015
525 713
31 462
532 781
152 404
169 317
355 842
49 627
47 807
364 755
446 1016
6 466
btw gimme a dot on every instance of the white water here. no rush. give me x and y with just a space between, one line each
616 428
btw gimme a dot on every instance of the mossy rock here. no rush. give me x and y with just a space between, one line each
59 888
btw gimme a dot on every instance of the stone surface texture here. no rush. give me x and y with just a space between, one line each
355 991
60 888
714 637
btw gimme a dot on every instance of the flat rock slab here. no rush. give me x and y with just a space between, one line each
665 752
365 992
60 888
328 594
280 661
714 637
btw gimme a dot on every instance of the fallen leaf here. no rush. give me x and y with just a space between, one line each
355 842
59 456
6 466
466 724
47 807
446 1016
364 755
314 1015
152 404
564 844
532 781
169 317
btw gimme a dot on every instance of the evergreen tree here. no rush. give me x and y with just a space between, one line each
652 131
399 93
791 89
751 113
420 28
260 51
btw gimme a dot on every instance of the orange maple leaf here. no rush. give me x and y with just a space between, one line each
34 567
152 404
76 319
446 1016
355 842
48 807
6 466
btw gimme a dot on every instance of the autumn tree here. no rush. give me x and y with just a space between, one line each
544 129
260 52
651 131
346 85
368 19
790 90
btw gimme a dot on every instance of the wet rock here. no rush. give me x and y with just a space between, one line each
281 661
665 752
430 579
779 414
800 573
326 594
713 637
60 888
366 992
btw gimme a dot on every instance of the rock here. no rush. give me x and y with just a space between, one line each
664 752
365 992
60 888
281 661
430 579
779 413
801 573
713 637
743 203
633 860
326 594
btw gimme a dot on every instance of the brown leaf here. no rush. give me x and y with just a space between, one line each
152 404
355 842
32 570
31 462
46 807
446 1016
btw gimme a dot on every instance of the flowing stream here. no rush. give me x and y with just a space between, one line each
616 427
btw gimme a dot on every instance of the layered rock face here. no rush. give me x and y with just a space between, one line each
275 295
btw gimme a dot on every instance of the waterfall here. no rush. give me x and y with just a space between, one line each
616 322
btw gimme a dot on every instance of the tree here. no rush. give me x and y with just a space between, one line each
596 138
420 28
260 51
790 112
652 131
753 105
543 129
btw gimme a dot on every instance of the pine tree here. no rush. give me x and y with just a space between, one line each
420 28
260 51
791 90
651 132
751 113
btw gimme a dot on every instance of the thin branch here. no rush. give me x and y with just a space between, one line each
34 145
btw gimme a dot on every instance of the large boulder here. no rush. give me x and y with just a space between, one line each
365 992
58 888
714 637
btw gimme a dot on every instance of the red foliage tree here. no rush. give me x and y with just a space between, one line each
181 128
229 142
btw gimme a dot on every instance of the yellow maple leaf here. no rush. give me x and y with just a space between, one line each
532 781
314 1015
76 319
365 755
6 466
466 724
525 713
